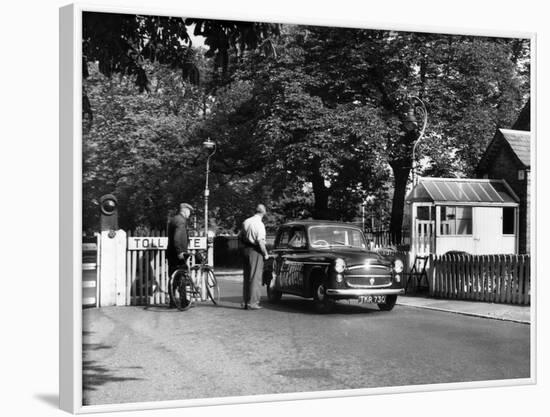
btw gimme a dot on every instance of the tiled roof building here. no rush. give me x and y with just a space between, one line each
508 157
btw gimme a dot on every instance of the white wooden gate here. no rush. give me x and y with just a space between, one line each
147 267
133 270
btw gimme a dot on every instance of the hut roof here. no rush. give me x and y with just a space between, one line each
463 191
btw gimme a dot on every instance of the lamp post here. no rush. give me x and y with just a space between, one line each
411 123
363 204
210 146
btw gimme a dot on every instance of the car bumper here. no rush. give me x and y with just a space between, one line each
354 292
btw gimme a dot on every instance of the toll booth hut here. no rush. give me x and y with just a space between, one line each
476 216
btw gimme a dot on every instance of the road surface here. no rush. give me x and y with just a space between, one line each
134 354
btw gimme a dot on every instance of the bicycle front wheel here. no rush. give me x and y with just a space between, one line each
212 287
180 291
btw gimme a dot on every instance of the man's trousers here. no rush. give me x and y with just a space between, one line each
253 267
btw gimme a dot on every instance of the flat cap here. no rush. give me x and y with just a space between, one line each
187 206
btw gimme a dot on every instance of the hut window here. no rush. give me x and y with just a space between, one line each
425 212
508 220
456 220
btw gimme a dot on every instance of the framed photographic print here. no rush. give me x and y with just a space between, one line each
258 210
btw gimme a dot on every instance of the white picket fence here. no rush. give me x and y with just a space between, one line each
492 278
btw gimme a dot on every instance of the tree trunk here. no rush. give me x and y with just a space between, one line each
401 169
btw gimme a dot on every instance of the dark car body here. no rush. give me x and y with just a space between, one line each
330 261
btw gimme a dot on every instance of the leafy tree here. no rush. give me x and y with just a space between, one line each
311 122
145 51
300 144
139 146
124 43
469 84
328 113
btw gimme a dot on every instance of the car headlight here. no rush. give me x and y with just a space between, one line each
339 265
398 266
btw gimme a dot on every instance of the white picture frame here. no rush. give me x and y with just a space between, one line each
70 260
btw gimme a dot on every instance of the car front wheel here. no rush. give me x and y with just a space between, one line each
389 304
323 303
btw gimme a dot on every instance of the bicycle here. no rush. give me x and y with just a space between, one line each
187 283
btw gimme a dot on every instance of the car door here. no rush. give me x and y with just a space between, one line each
292 261
280 251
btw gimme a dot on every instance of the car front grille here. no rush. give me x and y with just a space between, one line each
368 276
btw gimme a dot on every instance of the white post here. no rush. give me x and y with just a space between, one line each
414 231
98 269
437 227
112 274
210 251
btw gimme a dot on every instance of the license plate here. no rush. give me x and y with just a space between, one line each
372 299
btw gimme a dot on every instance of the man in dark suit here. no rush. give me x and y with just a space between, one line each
176 251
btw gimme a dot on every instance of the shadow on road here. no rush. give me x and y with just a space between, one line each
304 306
95 375
288 304
160 308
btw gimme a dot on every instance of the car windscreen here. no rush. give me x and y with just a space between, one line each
336 236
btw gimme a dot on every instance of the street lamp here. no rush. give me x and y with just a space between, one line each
411 123
210 146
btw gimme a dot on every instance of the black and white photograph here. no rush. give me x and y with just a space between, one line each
273 208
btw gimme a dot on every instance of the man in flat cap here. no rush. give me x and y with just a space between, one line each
252 236
176 251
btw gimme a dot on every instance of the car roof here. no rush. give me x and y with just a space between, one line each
310 222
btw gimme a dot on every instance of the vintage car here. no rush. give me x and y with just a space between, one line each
330 261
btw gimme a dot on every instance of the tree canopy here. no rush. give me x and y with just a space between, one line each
309 120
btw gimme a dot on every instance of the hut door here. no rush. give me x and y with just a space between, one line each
424 241
488 230
424 228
